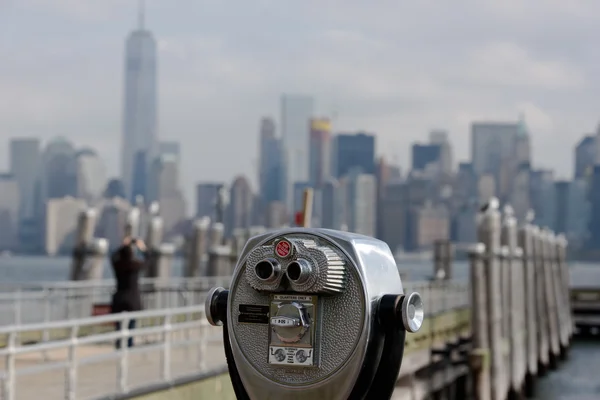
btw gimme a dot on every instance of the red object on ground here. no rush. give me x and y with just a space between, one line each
299 218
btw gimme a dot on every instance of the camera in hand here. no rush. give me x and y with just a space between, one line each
314 314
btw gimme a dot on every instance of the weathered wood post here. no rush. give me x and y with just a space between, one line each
132 224
93 265
551 299
531 316
480 356
489 234
219 261
514 300
165 260
559 294
154 236
197 248
543 324
442 259
566 279
505 293
216 234
84 233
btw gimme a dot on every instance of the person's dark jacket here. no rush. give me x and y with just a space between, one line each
127 270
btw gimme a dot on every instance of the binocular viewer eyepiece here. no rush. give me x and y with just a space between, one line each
314 314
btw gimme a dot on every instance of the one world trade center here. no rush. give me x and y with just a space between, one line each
140 109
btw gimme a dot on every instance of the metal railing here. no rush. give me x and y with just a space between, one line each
77 359
55 301
169 344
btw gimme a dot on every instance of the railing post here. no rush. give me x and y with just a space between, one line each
480 357
514 301
561 304
197 248
68 304
9 378
17 309
71 378
551 298
166 356
531 316
489 234
123 369
543 327
203 343
505 300
47 310
564 269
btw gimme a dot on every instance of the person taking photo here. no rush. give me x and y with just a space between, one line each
127 263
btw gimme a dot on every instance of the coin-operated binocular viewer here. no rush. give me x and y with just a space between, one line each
314 314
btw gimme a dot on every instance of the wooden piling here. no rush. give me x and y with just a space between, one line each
219 262
216 234
154 236
561 247
561 311
84 234
505 293
488 233
442 259
514 302
543 324
531 316
197 248
551 299
480 356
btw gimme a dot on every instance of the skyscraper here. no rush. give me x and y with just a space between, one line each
270 174
361 202
206 199
424 155
497 149
491 143
59 178
239 211
353 151
90 175
319 151
585 156
140 108
25 161
296 112
10 201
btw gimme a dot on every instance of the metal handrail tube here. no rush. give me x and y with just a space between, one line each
168 327
110 283
96 339
38 369
96 320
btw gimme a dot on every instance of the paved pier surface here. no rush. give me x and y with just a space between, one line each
97 377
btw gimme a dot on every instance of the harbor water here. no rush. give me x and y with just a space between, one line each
576 379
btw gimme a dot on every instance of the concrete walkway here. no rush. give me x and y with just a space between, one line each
100 377
98 373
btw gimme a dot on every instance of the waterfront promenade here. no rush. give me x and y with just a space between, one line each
171 344
494 342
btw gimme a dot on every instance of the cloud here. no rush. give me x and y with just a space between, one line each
394 68
507 64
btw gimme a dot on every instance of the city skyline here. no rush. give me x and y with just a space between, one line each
69 82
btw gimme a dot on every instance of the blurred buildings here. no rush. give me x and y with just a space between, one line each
48 183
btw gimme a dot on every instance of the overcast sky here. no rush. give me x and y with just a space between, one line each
395 68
